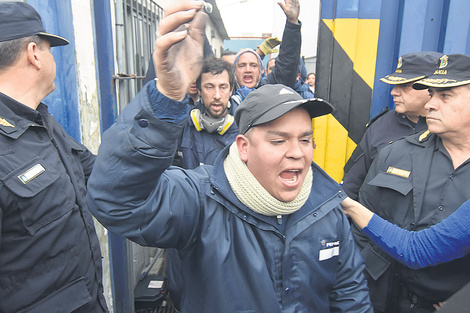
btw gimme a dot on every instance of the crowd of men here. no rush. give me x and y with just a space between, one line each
212 160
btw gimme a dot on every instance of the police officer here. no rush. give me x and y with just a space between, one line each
407 118
416 182
50 259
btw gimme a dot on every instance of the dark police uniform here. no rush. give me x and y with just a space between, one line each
50 258
381 131
412 183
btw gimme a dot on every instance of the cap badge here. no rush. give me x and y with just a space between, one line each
400 62
444 61
285 91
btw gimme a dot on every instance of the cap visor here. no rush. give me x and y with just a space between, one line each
54 40
439 83
400 79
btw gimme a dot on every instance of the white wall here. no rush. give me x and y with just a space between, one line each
89 110
253 18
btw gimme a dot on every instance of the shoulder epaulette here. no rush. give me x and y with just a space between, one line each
5 123
377 116
424 136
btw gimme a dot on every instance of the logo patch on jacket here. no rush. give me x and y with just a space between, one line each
331 250
398 172
32 173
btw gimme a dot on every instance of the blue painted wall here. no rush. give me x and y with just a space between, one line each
63 101
417 25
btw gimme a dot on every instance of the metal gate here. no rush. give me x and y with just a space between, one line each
136 25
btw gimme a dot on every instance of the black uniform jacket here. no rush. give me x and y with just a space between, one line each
412 183
50 259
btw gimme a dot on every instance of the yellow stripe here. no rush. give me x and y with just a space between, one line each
334 147
227 125
359 39
195 120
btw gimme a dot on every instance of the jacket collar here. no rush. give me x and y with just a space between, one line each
324 189
423 138
16 117
419 126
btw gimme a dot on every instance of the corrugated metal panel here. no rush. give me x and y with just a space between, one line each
422 25
348 39
360 42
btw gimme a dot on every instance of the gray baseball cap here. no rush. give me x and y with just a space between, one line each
270 102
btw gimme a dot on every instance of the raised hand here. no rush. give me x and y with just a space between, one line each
178 54
291 9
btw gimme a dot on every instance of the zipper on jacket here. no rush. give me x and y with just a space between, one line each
279 219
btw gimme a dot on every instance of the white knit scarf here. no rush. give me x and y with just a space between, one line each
250 192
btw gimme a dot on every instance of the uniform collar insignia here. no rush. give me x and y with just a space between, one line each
424 135
4 122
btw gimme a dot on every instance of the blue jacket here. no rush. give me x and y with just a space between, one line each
303 89
233 260
50 258
200 147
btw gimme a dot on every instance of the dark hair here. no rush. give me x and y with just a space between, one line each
216 66
228 52
11 50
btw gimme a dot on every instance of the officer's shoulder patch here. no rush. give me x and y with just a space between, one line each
5 123
378 116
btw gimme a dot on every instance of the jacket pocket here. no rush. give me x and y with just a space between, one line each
65 300
400 184
38 193
376 265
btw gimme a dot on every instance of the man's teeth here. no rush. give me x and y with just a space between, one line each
294 176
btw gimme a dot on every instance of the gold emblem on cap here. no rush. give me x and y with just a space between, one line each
395 78
398 172
440 81
400 62
444 61
440 72
4 122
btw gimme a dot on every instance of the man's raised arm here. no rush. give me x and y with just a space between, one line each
126 189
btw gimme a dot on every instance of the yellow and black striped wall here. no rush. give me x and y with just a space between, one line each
346 58
359 42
